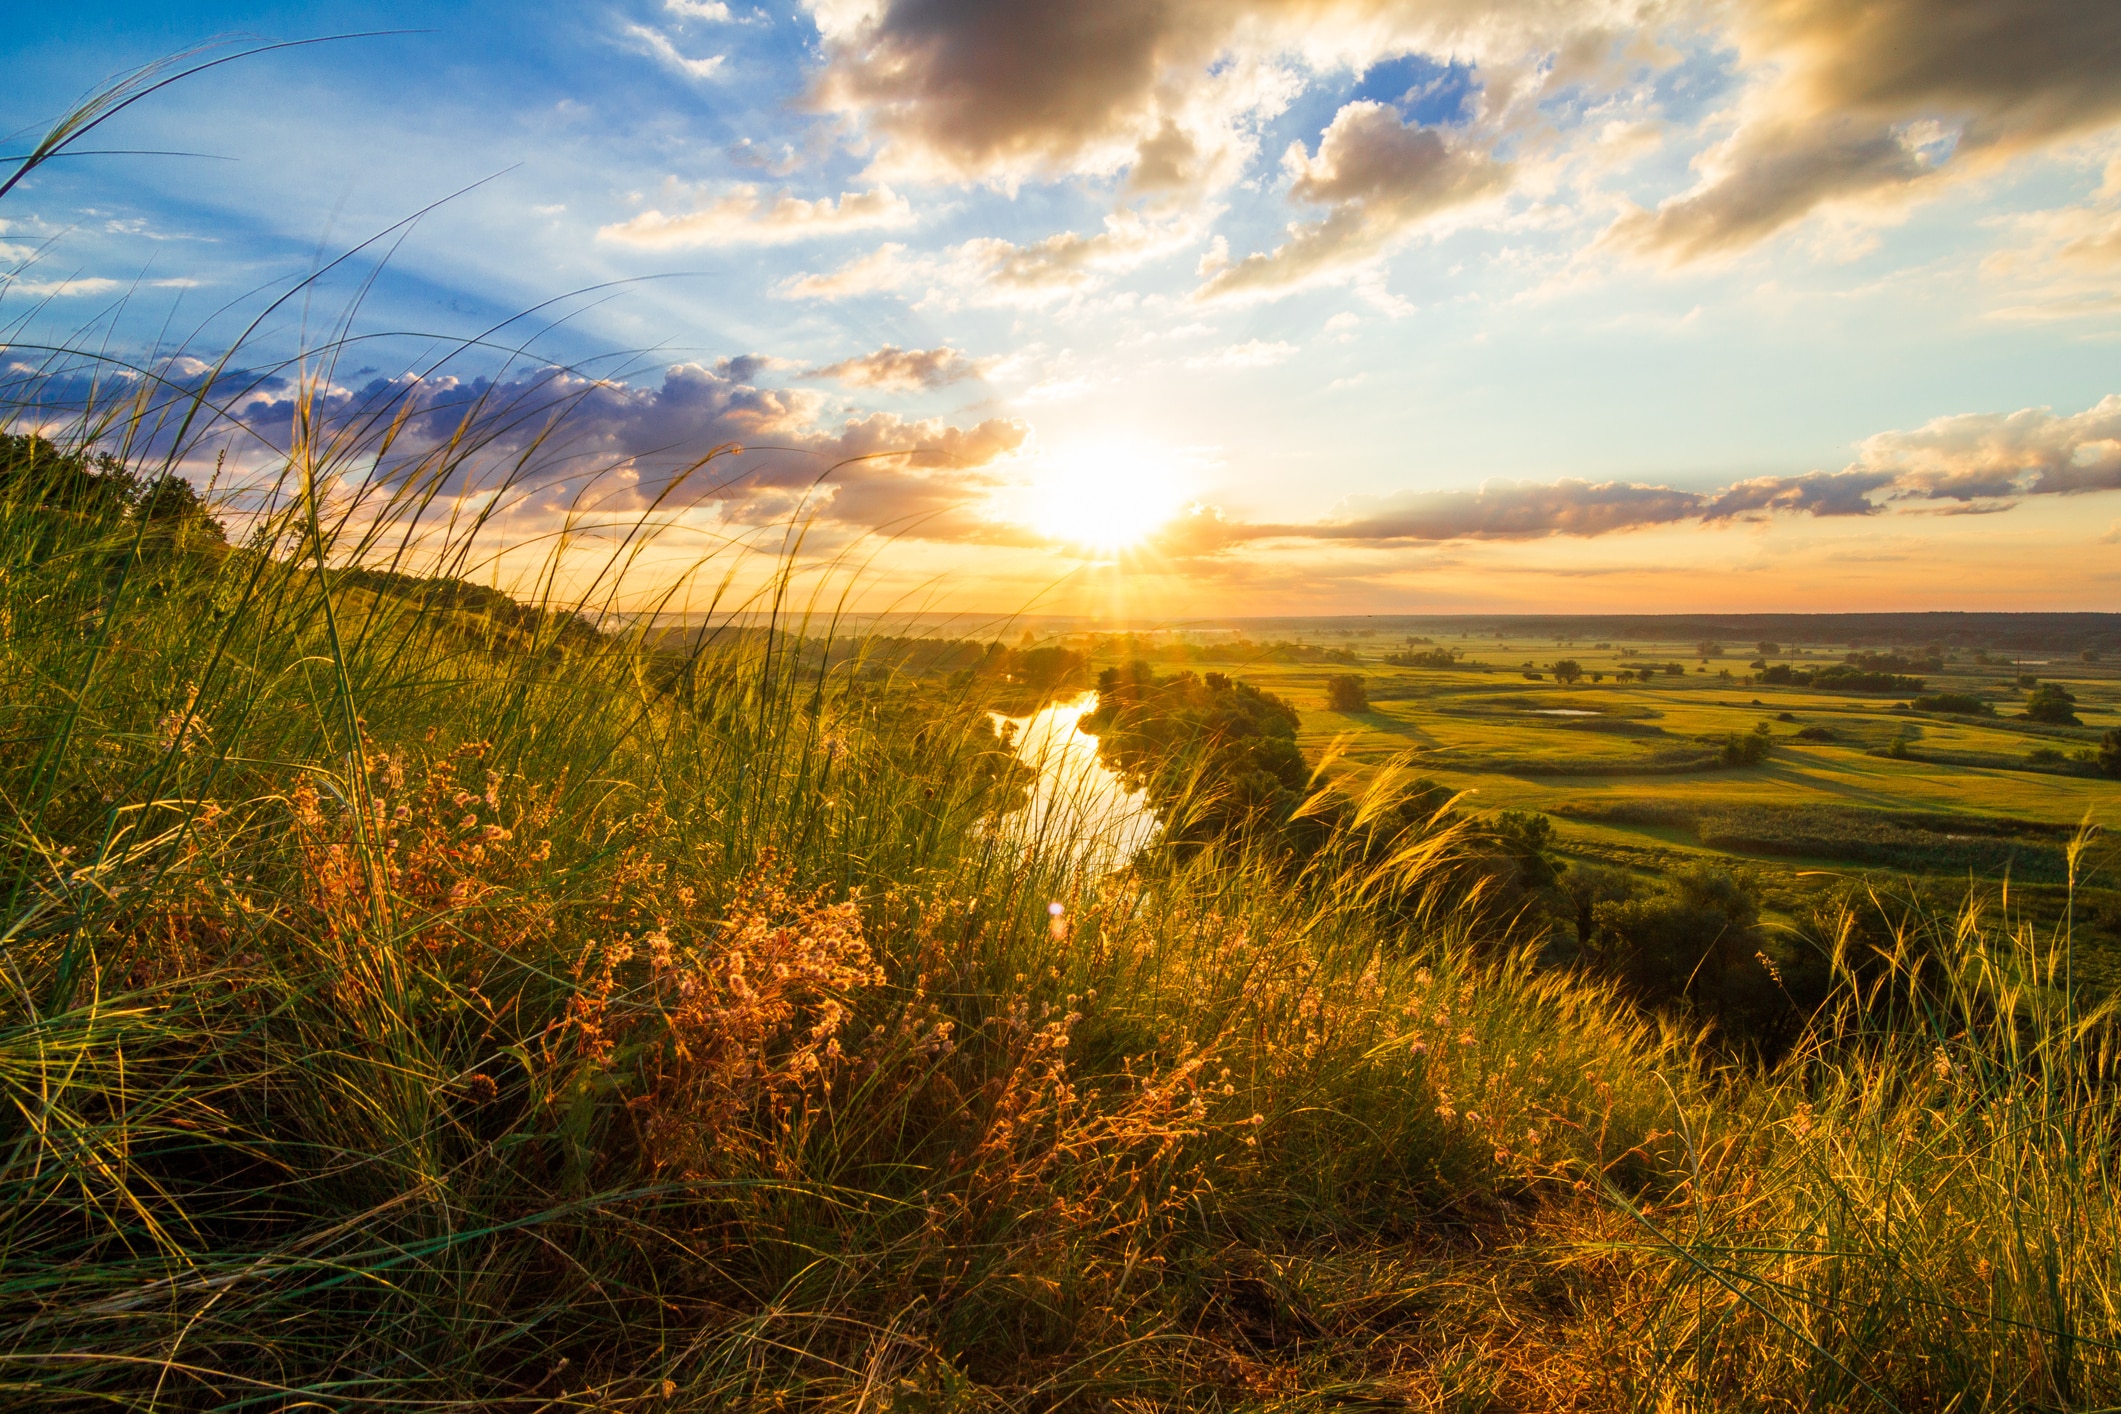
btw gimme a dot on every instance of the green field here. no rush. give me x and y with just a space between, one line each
1630 772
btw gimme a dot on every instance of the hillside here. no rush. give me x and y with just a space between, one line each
392 1016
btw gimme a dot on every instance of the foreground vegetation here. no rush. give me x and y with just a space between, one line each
415 1004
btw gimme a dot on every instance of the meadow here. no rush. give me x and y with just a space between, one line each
1853 784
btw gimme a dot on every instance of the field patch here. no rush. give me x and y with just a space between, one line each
1914 842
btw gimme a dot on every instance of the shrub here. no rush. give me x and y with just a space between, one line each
1428 658
1959 703
2109 758
2053 704
1345 693
1746 748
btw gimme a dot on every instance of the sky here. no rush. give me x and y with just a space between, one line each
1169 308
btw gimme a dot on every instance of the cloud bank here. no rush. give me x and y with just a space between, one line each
1971 462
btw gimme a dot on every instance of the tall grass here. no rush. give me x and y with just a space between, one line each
407 1006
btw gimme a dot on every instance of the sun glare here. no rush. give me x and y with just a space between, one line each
1106 498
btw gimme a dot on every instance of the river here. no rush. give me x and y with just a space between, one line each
1077 802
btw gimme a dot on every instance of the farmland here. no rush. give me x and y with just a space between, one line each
1631 768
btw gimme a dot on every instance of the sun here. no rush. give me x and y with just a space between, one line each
1106 498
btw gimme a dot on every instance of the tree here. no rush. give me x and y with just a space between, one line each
1767 648
1568 672
1345 693
2052 703
2109 757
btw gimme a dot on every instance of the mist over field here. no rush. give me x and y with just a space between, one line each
887 705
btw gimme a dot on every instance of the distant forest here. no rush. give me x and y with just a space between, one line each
2041 633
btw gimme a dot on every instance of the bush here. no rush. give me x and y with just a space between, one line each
2053 704
1345 693
1959 703
1747 748
1691 936
2109 757
1428 658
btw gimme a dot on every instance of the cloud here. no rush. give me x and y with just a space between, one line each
1981 456
1253 353
1171 92
60 289
658 44
563 440
1968 463
902 370
1867 101
1380 178
992 271
1769 175
744 217
712 11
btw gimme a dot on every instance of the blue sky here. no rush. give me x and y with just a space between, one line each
1279 304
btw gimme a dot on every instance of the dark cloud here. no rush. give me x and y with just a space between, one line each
1163 89
1873 98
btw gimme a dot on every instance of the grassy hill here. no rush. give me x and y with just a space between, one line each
399 1012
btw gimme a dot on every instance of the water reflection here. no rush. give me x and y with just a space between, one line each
1077 805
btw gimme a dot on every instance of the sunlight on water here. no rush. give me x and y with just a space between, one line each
1077 800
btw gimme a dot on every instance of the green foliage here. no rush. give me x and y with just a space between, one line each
1439 658
1345 693
1961 703
2053 704
1568 672
1747 748
1221 746
2109 757
1842 677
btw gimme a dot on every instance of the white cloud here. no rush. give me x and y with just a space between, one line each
658 44
61 289
712 11
743 216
